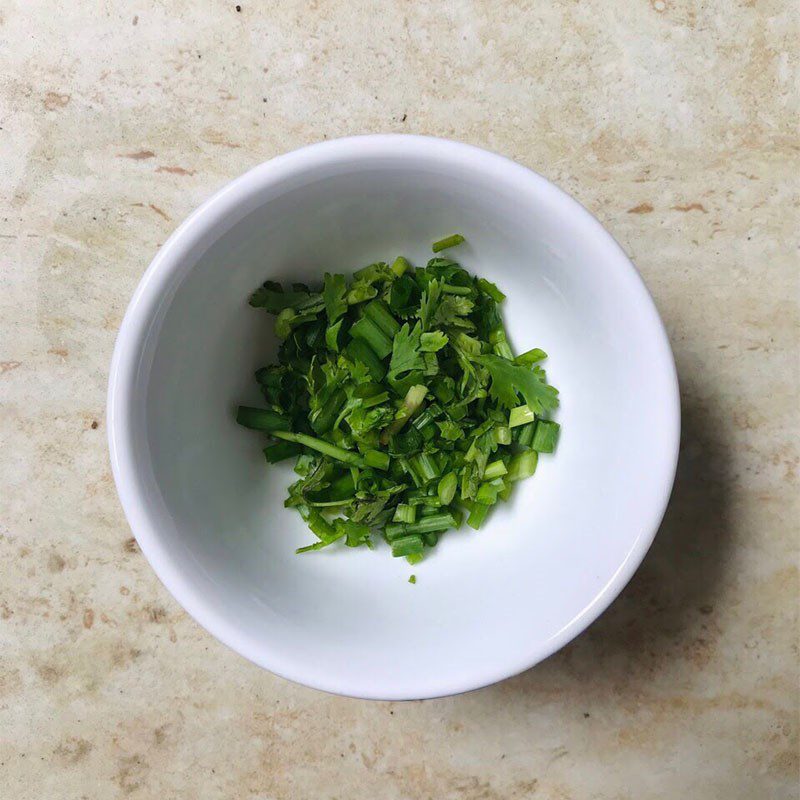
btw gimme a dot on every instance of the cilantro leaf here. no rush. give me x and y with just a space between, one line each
433 342
271 297
333 294
427 306
453 310
509 378
406 354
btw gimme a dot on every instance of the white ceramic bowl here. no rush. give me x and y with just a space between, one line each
208 512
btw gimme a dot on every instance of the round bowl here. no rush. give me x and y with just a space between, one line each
208 512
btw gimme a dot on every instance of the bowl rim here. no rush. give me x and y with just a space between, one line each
133 335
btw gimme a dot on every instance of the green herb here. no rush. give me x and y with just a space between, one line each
546 436
448 241
333 293
261 419
399 397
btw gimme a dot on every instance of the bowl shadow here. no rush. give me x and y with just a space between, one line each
666 612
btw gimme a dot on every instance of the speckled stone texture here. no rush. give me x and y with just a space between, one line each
674 121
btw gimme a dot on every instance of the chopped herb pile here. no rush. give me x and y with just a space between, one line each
399 397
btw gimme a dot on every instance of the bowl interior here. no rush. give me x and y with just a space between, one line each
486 604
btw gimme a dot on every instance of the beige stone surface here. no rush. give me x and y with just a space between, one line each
674 121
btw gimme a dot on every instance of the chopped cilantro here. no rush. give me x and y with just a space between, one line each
448 241
406 353
399 397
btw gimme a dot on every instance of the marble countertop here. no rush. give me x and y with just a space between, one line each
674 121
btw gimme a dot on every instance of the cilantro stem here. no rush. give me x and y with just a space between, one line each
400 266
369 332
447 488
494 470
382 317
487 287
321 446
322 420
411 402
405 513
425 467
477 515
502 434
521 415
448 241
432 524
546 436
503 349
281 450
530 357
319 525
261 419
448 288
522 465
407 546
487 492
524 435
420 497
377 459
362 353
